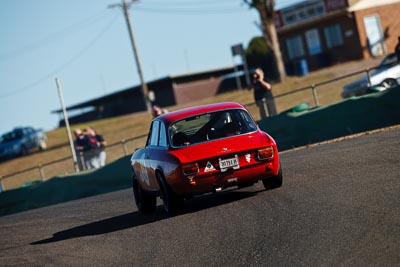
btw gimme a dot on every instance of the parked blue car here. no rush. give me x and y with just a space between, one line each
20 141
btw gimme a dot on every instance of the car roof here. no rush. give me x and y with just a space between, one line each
192 111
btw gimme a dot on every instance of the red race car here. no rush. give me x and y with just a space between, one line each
199 150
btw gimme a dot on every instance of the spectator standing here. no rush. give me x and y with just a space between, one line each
79 145
95 155
101 148
397 50
90 150
263 94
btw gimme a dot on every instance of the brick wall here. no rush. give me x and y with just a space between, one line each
390 20
349 50
355 44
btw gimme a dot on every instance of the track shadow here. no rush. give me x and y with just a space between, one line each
134 219
213 200
109 225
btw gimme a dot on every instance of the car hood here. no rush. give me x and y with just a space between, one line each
221 147
7 149
363 81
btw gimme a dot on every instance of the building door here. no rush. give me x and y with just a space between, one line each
313 42
375 37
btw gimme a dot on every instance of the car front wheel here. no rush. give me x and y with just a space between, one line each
144 202
172 202
23 151
389 83
275 181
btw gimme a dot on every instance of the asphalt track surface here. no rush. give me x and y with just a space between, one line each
339 205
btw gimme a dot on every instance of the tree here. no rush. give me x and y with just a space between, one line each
266 11
259 55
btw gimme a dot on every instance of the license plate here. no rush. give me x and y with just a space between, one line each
225 164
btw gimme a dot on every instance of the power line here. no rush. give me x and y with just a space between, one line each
63 66
190 3
191 10
200 7
54 37
191 7
187 11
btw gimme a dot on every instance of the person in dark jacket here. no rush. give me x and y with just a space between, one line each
94 149
263 94
80 145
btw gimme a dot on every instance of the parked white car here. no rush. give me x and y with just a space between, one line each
387 75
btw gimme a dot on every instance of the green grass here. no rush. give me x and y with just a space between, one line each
128 126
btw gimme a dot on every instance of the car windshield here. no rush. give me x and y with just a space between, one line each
211 126
388 62
10 136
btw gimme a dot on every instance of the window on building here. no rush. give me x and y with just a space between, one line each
376 39
333 36
308 10
295 47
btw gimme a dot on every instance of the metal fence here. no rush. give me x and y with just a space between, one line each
314 87
65 165
47 170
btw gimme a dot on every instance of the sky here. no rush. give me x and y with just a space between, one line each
85 44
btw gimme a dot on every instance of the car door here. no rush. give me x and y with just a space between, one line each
147 174
29 134
388 70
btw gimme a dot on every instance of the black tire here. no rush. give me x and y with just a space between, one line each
144 202
275 181
172 202
389 83
23 151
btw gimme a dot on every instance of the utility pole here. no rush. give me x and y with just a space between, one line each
125 6
71 142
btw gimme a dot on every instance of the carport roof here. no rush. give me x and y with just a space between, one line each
177 79
365 4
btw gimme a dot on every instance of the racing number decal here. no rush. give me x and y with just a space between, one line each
209 167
